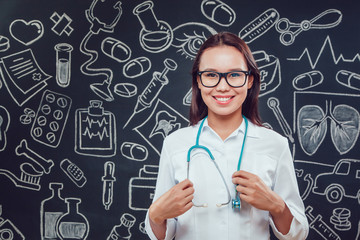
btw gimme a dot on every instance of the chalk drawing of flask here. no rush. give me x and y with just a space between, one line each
51 210
122 231
63 64
72 225
155 35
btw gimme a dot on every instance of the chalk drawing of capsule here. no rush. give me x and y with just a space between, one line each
155 35
218 12
348 79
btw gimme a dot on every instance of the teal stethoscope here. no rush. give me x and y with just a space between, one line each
236 201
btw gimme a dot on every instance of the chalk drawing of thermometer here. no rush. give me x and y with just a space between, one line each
273 103
287 36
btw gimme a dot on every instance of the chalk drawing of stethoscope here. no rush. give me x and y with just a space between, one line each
287 36
236 204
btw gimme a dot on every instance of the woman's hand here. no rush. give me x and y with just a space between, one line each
173 203
255 192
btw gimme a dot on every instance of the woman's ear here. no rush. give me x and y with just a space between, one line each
199 82
250 81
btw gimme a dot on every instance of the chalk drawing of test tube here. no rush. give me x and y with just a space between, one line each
63 64
155 35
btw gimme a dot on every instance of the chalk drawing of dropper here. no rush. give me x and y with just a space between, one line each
150 93
99 23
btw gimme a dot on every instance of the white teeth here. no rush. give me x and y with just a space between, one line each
223 99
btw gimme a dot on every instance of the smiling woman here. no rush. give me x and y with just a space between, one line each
225 90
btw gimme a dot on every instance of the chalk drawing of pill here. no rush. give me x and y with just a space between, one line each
308 80
348 79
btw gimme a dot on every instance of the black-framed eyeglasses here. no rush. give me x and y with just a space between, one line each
235 79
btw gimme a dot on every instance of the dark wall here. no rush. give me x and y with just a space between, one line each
89 89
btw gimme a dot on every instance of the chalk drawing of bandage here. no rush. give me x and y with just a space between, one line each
142 188
61 24
8 230
113 11
188 38
162 121
218 12
312 126
95 131
4 126
270 72
22 76
26 32
155 35
51 118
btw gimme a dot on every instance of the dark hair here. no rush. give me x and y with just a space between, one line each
198 109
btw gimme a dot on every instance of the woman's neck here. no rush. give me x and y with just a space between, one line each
224 125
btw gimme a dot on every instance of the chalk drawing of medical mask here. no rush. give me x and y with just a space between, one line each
312 127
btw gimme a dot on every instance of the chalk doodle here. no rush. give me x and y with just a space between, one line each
95 131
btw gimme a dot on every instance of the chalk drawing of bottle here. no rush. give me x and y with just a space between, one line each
155 35
122 231
51 210
72 225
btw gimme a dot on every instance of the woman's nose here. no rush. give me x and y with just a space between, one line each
223 85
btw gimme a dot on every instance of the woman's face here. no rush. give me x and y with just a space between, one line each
223 100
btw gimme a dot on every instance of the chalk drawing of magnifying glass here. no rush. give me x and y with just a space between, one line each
322 21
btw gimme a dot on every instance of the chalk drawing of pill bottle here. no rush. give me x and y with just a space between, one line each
72 225
63 64
51 210
155 35
122 231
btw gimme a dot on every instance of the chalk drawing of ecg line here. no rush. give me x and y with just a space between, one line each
326 43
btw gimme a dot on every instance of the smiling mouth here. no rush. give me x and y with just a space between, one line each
223 99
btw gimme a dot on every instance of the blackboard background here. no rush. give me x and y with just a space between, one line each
22 206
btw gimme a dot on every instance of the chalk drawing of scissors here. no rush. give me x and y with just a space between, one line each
287 36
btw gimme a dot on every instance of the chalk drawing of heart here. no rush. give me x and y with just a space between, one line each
26 32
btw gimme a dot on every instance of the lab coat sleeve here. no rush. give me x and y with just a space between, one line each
165 181
285 185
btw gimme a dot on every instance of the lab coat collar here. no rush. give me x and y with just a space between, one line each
253 130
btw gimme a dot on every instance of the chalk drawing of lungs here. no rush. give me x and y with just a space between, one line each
155 35
312 127
270 72
188 38
4 125
26 32
162 121
95 131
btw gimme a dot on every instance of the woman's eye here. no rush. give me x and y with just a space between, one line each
235 74
189 37
211 75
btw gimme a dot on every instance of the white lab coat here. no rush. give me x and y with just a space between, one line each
266 154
